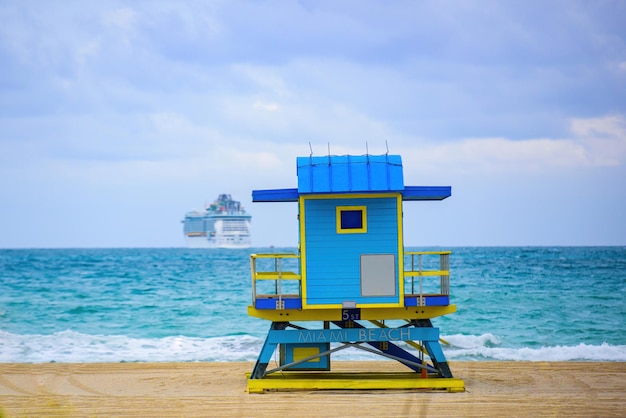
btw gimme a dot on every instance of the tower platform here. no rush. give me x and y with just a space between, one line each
353 381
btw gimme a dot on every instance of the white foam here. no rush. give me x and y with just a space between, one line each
74 347
485 347
70 346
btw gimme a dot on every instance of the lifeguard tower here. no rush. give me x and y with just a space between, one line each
351 284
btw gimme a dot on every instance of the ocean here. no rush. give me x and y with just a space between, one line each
140 305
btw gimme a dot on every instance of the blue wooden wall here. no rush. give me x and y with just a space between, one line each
333 260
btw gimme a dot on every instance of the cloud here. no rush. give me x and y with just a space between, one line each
87 51
607 127
593 142
123 18
269 107
604 139
168 123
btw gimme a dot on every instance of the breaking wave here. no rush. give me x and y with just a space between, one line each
74 347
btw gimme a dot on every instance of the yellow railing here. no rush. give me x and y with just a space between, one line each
273 270
272 267
415 268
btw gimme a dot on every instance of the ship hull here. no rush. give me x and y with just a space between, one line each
204 242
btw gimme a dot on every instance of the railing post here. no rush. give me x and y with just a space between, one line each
275 271
412 277
419 264
280 283
253 270
444 265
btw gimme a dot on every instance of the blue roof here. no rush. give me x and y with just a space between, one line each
275 195
348 173
426 192
351 174
410 193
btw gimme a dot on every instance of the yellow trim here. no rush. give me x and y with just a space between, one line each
302 251
428 252
367 313
352 381
400 250
275 255
350 195
362 230
426 273
270 275
322 306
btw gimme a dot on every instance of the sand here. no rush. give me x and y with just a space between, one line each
219 389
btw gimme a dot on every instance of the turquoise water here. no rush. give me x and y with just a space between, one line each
89 305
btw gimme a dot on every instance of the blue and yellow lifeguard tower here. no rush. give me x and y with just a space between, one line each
351 284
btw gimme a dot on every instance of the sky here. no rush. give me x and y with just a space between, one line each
117 117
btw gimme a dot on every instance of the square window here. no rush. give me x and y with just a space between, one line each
351 219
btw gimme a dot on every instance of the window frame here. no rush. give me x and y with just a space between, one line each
362 230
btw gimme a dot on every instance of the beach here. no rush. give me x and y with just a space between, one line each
216 389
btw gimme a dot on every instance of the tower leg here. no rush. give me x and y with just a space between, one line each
434 350
266 352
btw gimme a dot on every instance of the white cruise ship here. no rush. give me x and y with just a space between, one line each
223 224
